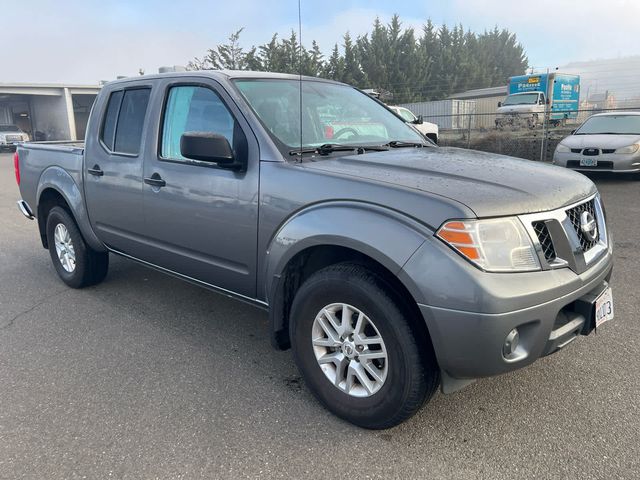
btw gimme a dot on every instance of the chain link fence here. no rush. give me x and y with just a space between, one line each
533 136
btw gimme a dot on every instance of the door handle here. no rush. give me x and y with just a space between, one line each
95 171
155 181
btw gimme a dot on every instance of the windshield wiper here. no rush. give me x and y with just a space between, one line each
603 133
400 144
328 148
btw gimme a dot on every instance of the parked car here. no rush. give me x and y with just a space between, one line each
605 142
11 136
429 130
388 264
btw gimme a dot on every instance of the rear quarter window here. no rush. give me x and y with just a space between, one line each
124 120
110 119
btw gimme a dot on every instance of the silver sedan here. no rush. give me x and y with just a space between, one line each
605 142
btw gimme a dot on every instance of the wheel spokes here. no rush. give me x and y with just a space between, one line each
349 349
345 321
376 373
372 355
64 247
328 328
357 370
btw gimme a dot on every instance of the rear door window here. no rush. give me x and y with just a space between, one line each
133 110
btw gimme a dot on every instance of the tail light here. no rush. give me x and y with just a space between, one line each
16 166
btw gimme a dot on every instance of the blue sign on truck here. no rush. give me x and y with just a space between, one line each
560 90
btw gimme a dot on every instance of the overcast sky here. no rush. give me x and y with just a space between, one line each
84 41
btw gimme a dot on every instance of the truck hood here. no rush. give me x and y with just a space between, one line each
520 108
489 184
600 141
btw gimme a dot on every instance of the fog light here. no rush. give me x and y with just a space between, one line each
511 344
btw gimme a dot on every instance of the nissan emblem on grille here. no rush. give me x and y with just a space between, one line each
588 226
587 231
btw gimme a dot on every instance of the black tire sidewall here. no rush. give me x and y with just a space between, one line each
403 355
77 278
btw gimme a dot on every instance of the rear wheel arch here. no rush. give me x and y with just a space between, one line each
55 182
49 198
76 263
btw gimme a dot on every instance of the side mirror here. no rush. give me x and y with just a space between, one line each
419 120
208 147
499 104
573 131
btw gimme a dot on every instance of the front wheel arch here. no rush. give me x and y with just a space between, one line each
412 375
312 259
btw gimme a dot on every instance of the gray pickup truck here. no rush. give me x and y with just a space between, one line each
389 265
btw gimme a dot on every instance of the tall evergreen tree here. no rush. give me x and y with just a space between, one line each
437 63
352 73
334 67
313 61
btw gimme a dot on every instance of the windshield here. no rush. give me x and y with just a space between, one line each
611 124
9 128
332 113
524 99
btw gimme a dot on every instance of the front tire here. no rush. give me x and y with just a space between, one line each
75 262
357 350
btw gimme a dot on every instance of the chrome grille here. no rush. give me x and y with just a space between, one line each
574 216
559 239
545 240
13 138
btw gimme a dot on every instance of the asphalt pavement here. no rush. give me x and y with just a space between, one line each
145 376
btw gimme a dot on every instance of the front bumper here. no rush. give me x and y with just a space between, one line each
469 345
470 313
606 163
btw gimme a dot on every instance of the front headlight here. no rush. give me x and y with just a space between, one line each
562 148
630 149
494 245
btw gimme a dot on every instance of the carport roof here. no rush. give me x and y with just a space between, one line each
481 93
51 89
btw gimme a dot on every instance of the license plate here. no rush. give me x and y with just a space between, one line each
604 307
588 162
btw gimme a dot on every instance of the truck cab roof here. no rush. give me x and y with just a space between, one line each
220 75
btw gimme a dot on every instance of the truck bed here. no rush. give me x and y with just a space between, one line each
64 145
47 163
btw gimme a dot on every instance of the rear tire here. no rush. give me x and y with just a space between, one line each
401 382
75 262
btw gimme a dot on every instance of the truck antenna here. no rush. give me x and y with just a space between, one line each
300 69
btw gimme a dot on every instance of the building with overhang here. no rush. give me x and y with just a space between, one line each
47 111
